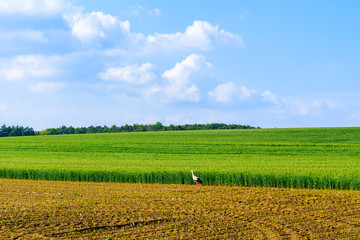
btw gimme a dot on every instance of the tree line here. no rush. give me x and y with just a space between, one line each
21 131
9 131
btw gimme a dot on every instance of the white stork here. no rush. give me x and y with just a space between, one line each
196 179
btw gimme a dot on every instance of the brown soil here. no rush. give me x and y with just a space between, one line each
79 210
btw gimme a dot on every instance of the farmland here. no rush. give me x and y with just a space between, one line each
103 192
86 210
300 158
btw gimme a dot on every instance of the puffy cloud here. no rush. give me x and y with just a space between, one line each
179 75
134 74
97 27
31 68
101 29
244 92
179 85
200 35
27 66
89 27
226 92
34 7
223 92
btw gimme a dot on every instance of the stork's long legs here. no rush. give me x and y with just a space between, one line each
198 185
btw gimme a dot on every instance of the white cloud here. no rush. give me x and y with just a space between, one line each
89 27
226 93
34 7
179 85
134 74
154 12
182 93
136 9
139 9
26 66
305 107
2 107
46 86
223 92
179 75
299 107
244 92
270 97
200 35
149 93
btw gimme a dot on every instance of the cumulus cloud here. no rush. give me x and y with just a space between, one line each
179 75
179 84
34 7
223 92
26 66
90 27
228 92
101 29
134 74
244 92
200 35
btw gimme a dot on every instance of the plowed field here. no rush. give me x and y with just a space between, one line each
72 210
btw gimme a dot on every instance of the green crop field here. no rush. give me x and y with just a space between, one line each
302 158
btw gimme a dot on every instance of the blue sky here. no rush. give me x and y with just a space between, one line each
262 63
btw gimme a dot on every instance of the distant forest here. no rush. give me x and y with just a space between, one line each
7 131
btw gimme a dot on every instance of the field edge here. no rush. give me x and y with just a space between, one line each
180 177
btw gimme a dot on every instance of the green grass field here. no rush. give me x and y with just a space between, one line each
306 158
